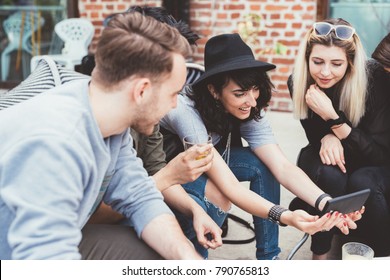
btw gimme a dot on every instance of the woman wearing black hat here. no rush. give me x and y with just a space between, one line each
227 101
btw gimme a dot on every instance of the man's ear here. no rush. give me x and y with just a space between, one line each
141 87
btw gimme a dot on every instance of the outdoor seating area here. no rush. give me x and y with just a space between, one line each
20 28
28 31
246 133
284 124
76 34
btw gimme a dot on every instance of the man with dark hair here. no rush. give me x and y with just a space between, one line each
72 149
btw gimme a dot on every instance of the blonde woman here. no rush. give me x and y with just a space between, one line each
344 122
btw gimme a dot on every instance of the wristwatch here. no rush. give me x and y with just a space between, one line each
340 120
274 214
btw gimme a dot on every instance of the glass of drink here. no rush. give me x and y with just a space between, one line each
356 251
197 140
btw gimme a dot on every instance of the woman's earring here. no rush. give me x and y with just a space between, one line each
218 103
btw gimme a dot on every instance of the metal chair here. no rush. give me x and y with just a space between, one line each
292 207
77 34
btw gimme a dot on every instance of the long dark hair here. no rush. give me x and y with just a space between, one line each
213 114
382 52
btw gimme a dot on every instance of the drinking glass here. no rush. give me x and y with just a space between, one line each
197 140
356 251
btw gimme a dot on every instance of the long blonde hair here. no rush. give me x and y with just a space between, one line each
353 86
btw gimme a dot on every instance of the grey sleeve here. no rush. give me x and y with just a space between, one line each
257 133
184 119
132 192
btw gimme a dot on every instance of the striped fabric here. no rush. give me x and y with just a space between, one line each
194 71
47 75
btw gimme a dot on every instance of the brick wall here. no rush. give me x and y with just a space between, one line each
282 21
97 10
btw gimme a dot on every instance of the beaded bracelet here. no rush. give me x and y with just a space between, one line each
274 214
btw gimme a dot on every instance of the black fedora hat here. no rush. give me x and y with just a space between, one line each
228 52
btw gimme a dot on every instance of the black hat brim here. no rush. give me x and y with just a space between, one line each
233 65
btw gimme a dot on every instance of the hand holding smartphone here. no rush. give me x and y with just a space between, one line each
347 203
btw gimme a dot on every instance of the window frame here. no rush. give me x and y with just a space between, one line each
72 11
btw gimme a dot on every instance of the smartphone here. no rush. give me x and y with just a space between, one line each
347 203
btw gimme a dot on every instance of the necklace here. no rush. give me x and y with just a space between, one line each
226 153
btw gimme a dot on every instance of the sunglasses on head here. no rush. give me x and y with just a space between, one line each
343 32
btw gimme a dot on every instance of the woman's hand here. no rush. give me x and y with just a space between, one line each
349 221
313 224
319 103
332 152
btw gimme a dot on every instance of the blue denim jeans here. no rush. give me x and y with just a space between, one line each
246 166
196 191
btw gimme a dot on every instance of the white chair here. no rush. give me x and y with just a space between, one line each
77 34
19 29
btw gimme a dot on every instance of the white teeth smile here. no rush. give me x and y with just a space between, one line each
245 109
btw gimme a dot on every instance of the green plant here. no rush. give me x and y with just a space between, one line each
249 30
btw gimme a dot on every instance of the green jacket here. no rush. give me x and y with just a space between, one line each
150 150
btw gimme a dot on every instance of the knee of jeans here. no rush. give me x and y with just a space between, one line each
200 201
264 183
215 212
262 170
360 180
252 159
215 196
331 179
321 242
197 187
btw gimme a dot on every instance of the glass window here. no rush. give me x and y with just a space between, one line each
371 19
27 29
